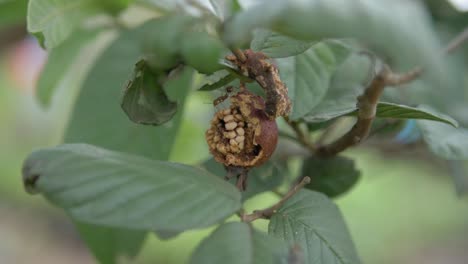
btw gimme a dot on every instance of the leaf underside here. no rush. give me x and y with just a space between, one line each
239 243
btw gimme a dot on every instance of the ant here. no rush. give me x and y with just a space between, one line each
229 90
223 97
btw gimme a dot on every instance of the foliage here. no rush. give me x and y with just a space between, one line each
112 176
315 223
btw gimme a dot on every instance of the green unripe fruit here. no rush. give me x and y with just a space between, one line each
162 47
202 51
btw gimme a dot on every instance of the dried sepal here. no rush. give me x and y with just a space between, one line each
258 67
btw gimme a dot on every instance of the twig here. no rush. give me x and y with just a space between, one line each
457 41
301 136
399 79
241 173
367 102
268 212
367 108
394 79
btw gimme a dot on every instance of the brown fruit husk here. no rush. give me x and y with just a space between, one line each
242 135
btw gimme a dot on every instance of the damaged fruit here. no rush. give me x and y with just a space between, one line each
242 135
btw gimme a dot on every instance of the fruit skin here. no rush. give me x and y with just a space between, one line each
202 51
268 139
259 132
162 49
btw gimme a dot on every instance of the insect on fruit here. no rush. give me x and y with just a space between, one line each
222 98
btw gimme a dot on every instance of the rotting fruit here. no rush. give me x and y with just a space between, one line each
242 135
245 134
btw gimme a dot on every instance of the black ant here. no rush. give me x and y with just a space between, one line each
229 90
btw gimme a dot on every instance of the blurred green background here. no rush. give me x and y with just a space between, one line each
403 210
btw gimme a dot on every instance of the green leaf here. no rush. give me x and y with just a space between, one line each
12 12
311 220
110 245
55 20
318 126
397 111
217 80
333 176
390 110
445 141
384 110
341 97
238 243
275 45
114 189
144 100
308 75
260 179
202 51
59 62
224 78
98 120
396 28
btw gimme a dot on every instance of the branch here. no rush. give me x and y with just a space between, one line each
367 108
268 212
399 79
394 79
367 102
